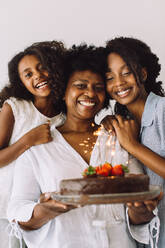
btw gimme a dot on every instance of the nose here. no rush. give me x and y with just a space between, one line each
90 92
37 75
119 80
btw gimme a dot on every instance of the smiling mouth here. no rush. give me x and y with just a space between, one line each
87 103
123 92
41 85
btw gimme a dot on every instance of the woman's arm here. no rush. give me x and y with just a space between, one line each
127 133
38 135
44 212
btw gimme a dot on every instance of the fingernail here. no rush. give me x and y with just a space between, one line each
47 195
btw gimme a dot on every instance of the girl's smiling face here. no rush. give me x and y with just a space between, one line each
121 83
85 94
34 76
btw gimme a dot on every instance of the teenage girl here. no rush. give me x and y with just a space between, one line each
131 74
30 104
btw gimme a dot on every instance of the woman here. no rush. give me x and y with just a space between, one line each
53 223
131 74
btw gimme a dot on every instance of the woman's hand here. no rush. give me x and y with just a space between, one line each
56 207
127 131
107 123
38 135
142 212
45 211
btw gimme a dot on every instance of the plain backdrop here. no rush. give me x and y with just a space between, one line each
74 21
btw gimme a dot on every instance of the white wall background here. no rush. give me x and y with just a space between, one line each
23 22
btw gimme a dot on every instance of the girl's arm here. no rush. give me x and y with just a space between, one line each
38 135
127 133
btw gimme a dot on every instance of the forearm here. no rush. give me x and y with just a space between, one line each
44 212
41 215
149 158
10 153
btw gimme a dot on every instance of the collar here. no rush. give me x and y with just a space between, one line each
149 109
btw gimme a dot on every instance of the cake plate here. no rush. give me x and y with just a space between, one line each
154 191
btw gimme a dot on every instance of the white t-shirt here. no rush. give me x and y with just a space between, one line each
40 170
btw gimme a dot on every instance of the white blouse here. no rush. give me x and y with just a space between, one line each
40 169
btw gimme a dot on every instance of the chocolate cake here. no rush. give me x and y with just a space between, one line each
105 185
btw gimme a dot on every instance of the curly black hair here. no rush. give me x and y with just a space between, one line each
51 56
137 55
81 58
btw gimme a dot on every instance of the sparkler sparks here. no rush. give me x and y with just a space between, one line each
109 154
88 143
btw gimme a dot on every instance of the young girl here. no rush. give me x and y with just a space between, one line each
30 104
131 74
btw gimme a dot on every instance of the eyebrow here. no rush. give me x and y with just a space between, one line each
86 81
81 80
27 69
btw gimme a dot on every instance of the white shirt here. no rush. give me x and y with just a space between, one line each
40 170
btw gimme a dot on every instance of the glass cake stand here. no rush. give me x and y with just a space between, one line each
154 191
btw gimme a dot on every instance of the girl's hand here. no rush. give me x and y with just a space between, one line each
38 135
141 212
107 123
127 131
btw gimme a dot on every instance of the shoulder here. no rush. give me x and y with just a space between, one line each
160 101
155 104
6 111
19 107
17 102
160 105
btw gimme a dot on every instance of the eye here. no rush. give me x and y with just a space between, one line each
28 74
99 87
80 86
109 77
126 73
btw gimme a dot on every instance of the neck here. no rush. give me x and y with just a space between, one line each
46 107
74 125
137 107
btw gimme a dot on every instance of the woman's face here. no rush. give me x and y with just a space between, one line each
85 94
33 76
120 81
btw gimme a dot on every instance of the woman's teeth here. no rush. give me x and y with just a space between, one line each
41 85
88 104
122 93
